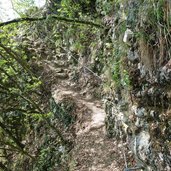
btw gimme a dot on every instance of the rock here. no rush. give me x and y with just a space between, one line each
128 36
134 168
61 149
140 123
120 116
165 73
134 108
151 91
61 64
132 55
141 112
59 70
142 146
142 69
154 115
61 75
123 106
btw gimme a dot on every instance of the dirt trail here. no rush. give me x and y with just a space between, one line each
93 151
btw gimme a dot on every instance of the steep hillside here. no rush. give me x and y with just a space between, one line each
99 86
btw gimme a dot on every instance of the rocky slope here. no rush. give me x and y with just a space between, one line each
140 112
127 66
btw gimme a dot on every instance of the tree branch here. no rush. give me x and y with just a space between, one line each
10 134
20 110
27 19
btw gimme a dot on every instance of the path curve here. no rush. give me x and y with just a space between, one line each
93 151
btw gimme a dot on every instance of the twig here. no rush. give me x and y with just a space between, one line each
28 19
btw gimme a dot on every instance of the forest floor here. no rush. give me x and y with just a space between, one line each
93 150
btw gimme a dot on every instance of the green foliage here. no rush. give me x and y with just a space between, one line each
50 158
23 6
19 92
125 79
120 77
20 89
63 111
75 8
2 62
105 7
38 117
116 73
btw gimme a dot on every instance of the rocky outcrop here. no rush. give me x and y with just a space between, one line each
139 113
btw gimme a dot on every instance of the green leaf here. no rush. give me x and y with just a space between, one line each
2 62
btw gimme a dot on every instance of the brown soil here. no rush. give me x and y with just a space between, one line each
92 151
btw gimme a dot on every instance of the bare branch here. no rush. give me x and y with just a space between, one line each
27 19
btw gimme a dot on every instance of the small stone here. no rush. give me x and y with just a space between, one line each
123 106
131 117
140 112
142 148
119 145
134 108
132 55
142 69
152 113
165 73
128 36
139 123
